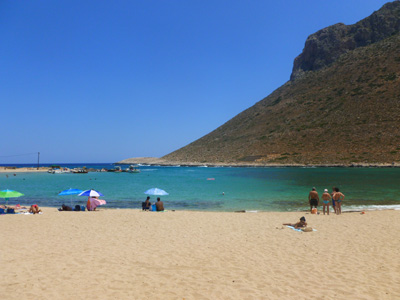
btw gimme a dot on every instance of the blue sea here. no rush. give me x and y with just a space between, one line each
211 188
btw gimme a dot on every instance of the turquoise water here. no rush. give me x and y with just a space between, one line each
189 188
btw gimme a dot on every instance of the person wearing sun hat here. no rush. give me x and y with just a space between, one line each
325 198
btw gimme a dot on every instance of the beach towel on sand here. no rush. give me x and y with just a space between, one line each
298 229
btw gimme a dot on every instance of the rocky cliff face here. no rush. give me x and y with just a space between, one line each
327 45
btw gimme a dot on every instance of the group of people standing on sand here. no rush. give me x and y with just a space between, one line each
335 196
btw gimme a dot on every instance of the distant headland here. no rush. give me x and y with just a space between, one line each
155 161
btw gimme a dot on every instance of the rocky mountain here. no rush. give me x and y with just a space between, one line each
327 45
341 105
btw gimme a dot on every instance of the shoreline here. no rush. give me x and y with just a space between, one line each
16 169
250 211
155 161
306 212
247 211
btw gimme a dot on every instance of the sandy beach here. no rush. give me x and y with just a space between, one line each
130 254
12 170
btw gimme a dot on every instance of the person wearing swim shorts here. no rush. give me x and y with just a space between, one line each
338 197
313 198
333 200
325 198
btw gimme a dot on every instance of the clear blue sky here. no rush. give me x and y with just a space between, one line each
101 81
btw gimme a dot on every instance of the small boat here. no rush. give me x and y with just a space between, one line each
57 170
79 171
117 169
132 169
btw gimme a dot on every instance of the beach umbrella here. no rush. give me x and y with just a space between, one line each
91 193
9 194
70 192
156 192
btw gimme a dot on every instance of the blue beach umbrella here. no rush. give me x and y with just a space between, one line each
156 192
70 192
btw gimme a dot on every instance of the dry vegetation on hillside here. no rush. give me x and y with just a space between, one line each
346 112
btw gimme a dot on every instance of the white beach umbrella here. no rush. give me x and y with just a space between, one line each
156 192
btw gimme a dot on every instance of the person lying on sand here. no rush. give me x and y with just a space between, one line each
65 208
16 207
34 209
300 224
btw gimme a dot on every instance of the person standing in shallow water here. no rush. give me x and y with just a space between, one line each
313 198
333 200
338 197
325 198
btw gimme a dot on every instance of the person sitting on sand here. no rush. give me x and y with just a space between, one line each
146 205
34 209
300 224
325 198
159 205
88 204
338 197
92 203
313 198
